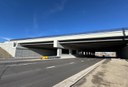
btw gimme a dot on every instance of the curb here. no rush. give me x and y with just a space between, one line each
73 79
26 60
18 61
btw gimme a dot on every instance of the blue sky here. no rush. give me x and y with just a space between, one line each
35 18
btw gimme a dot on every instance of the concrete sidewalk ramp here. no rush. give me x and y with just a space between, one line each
113 73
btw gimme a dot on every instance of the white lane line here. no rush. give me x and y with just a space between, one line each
59 65
50 67
71 62
18 65
24 64
12 65
82 61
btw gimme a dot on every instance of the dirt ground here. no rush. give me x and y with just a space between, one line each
112 73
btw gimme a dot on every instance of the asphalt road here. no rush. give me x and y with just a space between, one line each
41 73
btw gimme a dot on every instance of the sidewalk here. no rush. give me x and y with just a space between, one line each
113 73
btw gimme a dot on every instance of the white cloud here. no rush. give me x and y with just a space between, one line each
35 24
5 38
56 8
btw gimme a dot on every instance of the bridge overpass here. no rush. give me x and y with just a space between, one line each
71 45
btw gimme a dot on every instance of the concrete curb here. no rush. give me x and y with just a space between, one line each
73 79
19 61
27 60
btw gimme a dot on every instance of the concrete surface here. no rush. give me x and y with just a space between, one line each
42 73
113 73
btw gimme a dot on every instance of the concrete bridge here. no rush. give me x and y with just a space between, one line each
84 44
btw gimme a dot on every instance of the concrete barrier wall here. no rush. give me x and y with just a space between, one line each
4 54
34 52
9 47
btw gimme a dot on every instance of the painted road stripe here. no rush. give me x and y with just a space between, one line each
24 64
50 67
71 62
82 61
18 65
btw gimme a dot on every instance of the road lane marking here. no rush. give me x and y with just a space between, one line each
66 64
24 64
82 61
71 62
50 67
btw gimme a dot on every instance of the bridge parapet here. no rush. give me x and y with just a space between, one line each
104 34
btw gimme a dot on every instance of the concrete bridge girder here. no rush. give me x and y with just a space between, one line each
84 44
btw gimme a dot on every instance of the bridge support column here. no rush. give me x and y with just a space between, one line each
123 53
59 52
93 54
70 52
77 52
84 53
